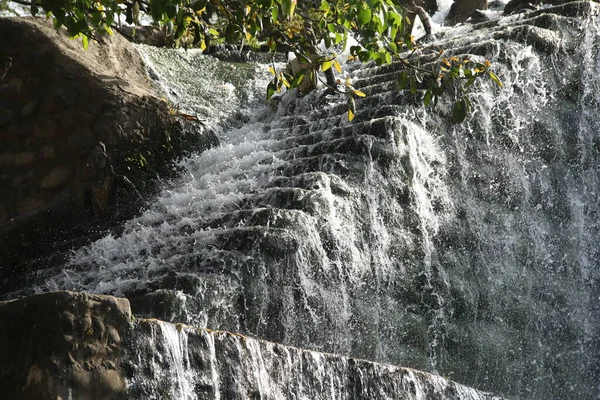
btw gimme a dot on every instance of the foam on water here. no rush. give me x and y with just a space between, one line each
470 250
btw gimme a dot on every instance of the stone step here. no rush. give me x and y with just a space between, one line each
122 357
382 128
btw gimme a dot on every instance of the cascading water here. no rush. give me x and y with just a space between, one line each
470 250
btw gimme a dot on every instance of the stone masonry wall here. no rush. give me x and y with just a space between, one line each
63 345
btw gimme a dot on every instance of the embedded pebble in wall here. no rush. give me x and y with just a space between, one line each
46 128
23 159
29 108
48 153
57 178
6 115
7 160
29 205
58 102
81 141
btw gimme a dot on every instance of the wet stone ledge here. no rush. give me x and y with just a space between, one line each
64 345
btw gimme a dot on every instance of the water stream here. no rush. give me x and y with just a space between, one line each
469 250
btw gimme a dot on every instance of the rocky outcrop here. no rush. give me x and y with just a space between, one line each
63 345
73 345
462 10
57 104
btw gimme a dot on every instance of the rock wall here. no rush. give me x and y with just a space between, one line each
63 345
57 104
72 345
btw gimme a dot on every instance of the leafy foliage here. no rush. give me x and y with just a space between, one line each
379 27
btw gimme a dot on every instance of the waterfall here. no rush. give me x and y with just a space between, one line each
168 364
249 368
470 250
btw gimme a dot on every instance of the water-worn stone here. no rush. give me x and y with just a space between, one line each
63 345
7 160
59 101
47 153
56 178
29 205
23 159
46 128
11 91
81 141
462 10
29 108
6 115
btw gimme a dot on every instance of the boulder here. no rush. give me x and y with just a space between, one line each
57 103
462 10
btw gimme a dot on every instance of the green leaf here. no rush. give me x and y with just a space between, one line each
413 85
326 65
402 80
271 88
229 33
364 16
337 66
427 98
288 7
298 79
351 108
171 11
495 79
459 111
388 57
157 9
199 5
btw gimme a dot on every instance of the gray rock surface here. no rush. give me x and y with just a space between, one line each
71 345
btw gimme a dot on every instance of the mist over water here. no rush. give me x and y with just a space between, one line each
468 250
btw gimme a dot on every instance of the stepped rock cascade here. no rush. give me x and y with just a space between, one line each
467 250
200 364
65 344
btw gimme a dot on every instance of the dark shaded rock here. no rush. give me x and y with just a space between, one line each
6 115
46 128
462 10
29 108
63 345
57 102
56 178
